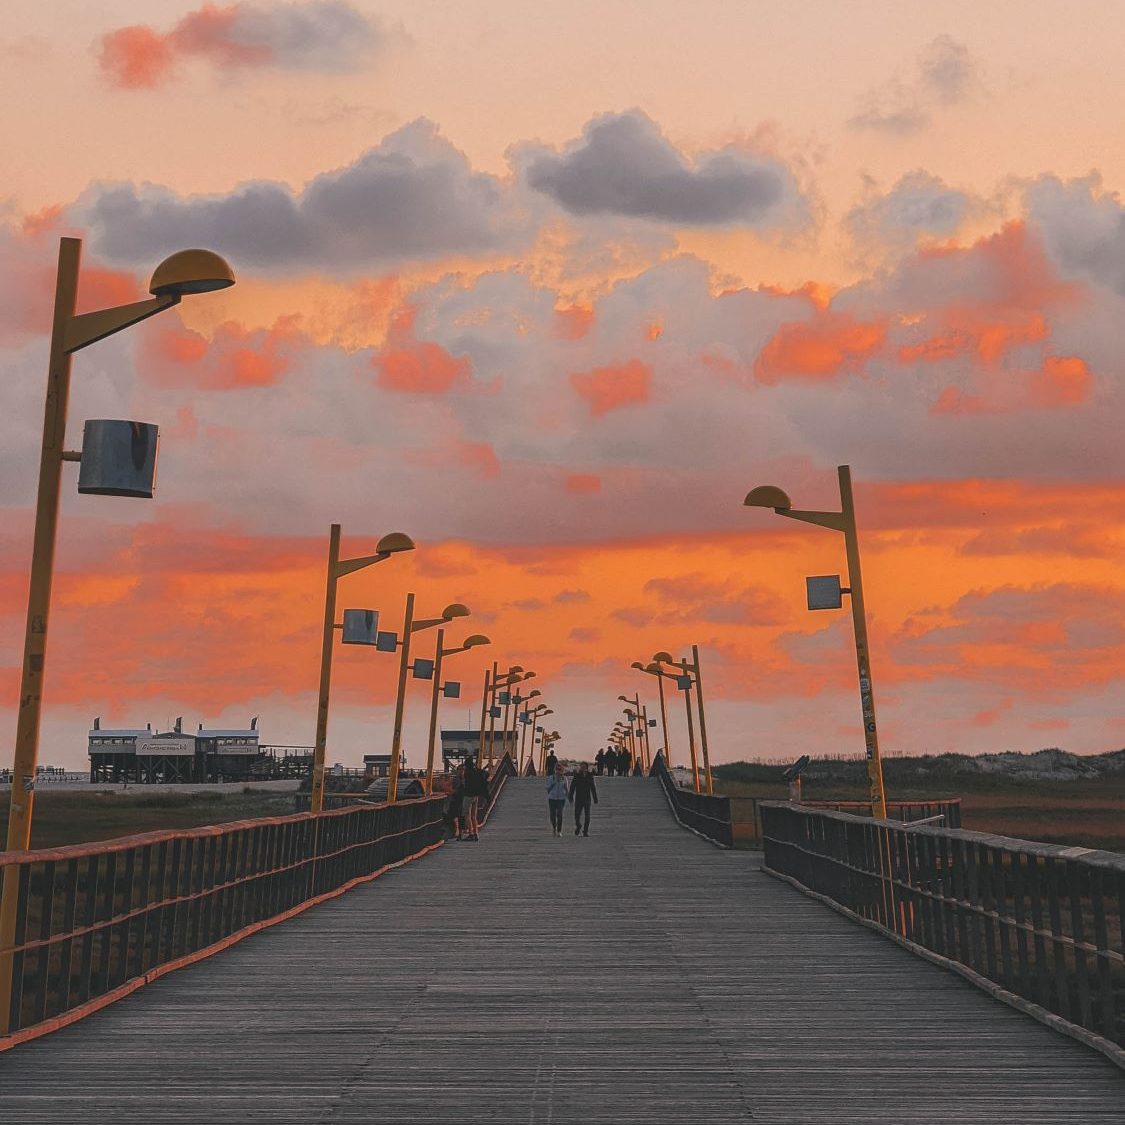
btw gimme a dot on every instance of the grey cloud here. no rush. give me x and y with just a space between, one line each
944 75
919 204
624 165
1083 227
413 196
322 35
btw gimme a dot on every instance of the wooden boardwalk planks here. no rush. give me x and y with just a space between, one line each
640 975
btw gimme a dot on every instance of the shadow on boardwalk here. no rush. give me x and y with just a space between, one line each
636 976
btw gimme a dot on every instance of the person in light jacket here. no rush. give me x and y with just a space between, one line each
556 797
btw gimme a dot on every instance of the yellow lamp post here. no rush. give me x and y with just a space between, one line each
639 715
684 682
519 737
409 628
653 669
392 544
824 592
498 680
184 273
440 653
530 720
534 724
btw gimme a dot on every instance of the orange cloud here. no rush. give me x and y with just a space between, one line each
574 322
479 455
583 484
233 357
136 58
1062 381
827 345
610 388
412 367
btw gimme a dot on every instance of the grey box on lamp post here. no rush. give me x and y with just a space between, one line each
118 458
824 591
361 627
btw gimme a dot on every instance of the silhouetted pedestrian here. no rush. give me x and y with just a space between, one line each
582 789
556 797
623 757
552 761
611 762
599 762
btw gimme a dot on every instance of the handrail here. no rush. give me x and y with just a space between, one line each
704 815
1040 925
96 921
505 768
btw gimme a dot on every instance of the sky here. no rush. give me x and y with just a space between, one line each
549 288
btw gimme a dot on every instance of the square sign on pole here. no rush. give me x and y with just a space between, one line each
386 642
423 669
824 591
505 697
495 712
451 689
683 683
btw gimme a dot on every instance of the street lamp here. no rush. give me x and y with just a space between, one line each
684 682
359 627
440 653
641 717
117 459
409 628
530 719
513 675
534 724
824 592
653 669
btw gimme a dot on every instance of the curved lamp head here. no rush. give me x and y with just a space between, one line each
547 710
638 665
528 676
624 699
190 271
533 694
767 496
476 640
393 543
662 658
654 668
514 668
455 610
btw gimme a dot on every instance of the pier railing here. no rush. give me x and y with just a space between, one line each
1039 925
96 921
705 815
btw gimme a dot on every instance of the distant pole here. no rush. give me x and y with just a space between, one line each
702 719
438 654
664 719
316 798
690 724
492 717
483 715
400 701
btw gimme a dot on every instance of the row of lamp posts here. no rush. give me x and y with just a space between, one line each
822 592
687 677
501 699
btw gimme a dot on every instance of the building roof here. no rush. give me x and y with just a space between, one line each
103 732
217 733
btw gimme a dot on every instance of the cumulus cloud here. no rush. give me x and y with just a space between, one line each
325 36
413 196
624 165
1083 225
920 205
944 74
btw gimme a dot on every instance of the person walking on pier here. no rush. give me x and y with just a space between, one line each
611 761
556 797
582 789
623 757
550 764
599 762
471 799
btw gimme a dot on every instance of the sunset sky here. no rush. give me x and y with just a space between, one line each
549 287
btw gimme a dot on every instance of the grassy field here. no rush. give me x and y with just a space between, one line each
1088 814
92 814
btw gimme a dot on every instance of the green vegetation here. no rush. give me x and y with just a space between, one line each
1048 796
102 814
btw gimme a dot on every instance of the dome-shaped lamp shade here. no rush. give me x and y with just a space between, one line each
476 640
395 542
118 458
455 610
190 271
662 657
767 496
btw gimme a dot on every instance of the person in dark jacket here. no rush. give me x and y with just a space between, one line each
471 800
582 789
599 762
552 761
623 757
610 761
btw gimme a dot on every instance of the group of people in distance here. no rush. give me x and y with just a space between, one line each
613 761
470 792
